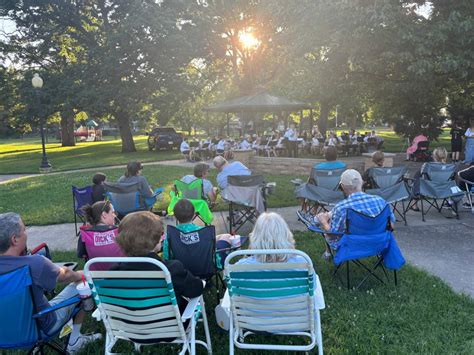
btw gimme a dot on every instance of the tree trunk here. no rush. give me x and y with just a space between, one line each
67 129
128 145
323 118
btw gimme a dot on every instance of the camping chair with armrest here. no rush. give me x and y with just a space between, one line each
197 251
365 237
194 192
19 320
246 195
141 306
274 299
437 183
81 196
389 184
320 192
126 198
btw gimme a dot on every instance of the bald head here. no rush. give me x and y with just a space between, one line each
219 162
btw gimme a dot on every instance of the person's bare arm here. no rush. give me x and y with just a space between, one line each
67 275
324 221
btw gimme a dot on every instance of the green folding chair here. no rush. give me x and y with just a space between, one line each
194 192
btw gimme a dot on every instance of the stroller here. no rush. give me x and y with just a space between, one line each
422 153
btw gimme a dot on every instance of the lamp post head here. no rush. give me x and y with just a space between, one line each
37 82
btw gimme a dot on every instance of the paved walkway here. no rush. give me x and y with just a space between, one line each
444 247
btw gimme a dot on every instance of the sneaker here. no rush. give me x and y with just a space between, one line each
305 218
466 205
82 341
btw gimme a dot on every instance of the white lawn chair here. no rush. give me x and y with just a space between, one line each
141 307
273 298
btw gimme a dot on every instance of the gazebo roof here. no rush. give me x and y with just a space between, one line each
260 102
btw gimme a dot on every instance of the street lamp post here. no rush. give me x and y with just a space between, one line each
37 83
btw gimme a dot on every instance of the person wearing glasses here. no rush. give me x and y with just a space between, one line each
98 236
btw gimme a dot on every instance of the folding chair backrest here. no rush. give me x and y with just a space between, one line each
18 327
246 190
386 177
101 244
136 305
361 224
81 196
258 292
439 172
328 179
125 197
194 190
196 250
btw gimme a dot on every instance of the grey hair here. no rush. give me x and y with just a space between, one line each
219 161
271 232
349 189
9 226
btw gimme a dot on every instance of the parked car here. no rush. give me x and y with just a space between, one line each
164 138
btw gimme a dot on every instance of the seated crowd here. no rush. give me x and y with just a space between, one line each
142 233
289 143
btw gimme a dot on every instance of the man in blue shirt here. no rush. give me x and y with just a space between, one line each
335 221
44 275
226 169
331 160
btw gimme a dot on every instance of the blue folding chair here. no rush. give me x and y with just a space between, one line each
81 196
365 237
19 323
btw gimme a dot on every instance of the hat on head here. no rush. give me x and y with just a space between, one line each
351 177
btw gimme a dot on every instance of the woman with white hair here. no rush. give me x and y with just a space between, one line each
271 232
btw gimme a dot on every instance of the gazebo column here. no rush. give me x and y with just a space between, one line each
228 124
310 119
301 119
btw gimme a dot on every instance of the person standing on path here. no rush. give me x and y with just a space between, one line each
469 150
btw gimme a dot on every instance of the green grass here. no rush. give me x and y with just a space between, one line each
47 199
24 156
422 315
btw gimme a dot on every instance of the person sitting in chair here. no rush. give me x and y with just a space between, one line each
186 150
44 275
272 232
226 169
201 171
378 159
331 160
100 232
133 174
184 214
140 236
335 221
98 188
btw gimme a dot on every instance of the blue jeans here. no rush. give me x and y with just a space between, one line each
469 158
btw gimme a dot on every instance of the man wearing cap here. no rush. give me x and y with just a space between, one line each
335 221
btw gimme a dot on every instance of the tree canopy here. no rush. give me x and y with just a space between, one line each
406 63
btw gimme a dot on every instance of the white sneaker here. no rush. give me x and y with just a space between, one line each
82 341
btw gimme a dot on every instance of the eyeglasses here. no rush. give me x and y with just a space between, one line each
104 207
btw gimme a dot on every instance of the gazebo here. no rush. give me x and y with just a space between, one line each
259 102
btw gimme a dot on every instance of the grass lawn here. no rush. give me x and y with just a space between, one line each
24 156
422 315
48 199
